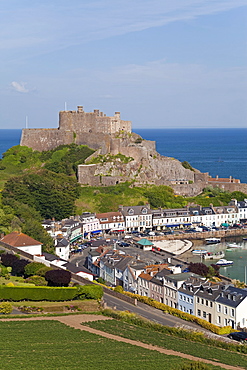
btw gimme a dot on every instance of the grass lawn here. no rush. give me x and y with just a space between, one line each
53 345
169 342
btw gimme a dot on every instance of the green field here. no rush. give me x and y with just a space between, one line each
170 342
52 345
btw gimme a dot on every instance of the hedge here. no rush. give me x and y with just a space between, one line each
41 293
183 315
90 291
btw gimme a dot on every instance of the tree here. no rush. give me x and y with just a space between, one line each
51 194
18 267
198 268
8 259
58 277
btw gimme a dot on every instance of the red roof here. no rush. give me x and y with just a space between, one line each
16 239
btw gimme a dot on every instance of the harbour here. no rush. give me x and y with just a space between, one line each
238 270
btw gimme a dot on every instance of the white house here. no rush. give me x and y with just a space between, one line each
23 242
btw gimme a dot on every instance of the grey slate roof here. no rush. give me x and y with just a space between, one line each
232 296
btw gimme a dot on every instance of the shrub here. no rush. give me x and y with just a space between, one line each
58 277
119 289
90 291
5 308
43 270
32 268
36 280
30 309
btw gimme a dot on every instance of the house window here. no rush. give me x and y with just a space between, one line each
211 304
219 308
198 300
232 312
206 302
225 322
225 310
204 315
202 301
218 319
198 312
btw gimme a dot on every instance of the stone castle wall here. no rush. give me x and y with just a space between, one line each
95 122
111 135
93 129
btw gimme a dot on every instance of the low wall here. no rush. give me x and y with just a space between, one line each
202 235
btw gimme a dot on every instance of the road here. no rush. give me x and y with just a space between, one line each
149 313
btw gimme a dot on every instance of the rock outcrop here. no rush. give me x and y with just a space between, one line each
120 155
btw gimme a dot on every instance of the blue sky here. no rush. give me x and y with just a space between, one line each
162 64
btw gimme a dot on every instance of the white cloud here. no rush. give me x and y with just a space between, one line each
20 87
48 26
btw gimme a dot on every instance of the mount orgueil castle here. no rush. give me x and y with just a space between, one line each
120 154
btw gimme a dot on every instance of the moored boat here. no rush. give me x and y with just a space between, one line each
233 245
199 251
212 240
224 262
213 255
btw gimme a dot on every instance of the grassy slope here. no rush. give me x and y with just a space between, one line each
169 342
52 345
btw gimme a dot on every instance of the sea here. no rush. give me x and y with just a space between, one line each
221 152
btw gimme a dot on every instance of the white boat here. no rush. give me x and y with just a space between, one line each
212 240
213 255
223 262
199 251
233 245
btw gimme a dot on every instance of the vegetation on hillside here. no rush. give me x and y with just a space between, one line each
37 185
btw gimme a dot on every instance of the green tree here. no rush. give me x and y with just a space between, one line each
53 195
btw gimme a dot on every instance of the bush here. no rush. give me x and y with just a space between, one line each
58 277
32 268
5 308
36 280
90 291
30 309
119 289
43 270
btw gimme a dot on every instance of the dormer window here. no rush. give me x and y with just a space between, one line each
130 211
144 211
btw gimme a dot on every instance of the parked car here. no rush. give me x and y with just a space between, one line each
240 336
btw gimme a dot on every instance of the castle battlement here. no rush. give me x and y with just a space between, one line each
92 122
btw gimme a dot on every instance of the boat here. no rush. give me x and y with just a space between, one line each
224 262
233 245
213 255
199 251
212 240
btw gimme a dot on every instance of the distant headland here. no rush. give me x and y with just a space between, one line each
120 154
